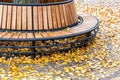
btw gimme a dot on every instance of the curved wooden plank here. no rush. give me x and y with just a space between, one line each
50 21
24 18
8 35
29 18
23 35
6 0
71 14
62 16
30 35
19 17
75 16
4 18
45 34
45 17
1 13
9 17
54 17
35 18
58 16
14 13
38 35
2 34
40 18
15 35
65 14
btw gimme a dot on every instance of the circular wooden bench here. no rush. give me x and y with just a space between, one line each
47 27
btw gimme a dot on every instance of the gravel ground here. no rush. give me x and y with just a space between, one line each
100 60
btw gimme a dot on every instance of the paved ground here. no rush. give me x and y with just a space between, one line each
98 61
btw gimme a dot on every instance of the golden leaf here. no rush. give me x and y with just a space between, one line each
1 60
104 63
80 68
58 72
66 69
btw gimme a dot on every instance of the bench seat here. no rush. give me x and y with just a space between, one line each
89 24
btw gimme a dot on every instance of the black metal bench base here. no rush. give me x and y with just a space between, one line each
47 47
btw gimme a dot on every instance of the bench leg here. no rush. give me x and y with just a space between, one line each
88 40
33 49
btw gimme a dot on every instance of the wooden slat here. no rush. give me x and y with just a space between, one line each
24 18
14 10
4 18
30 35
45 17
74 12
9 17
29 18
45 34
49 0
64 32
41 1
65 14
6 0
70 15
2 34
50 22
1 13
40 17
54 17
15 35
52 34
22 35
55 34
58 16
36 26
62 16
48 34
19 18
8 35
38 35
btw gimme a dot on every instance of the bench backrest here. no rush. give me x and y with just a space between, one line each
41 17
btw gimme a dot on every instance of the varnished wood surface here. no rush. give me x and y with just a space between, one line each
89 23
9 17
44 17
29 18
6 0
19 18
14 14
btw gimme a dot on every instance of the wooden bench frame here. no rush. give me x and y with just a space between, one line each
83 25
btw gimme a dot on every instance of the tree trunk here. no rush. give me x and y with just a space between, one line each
26 1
